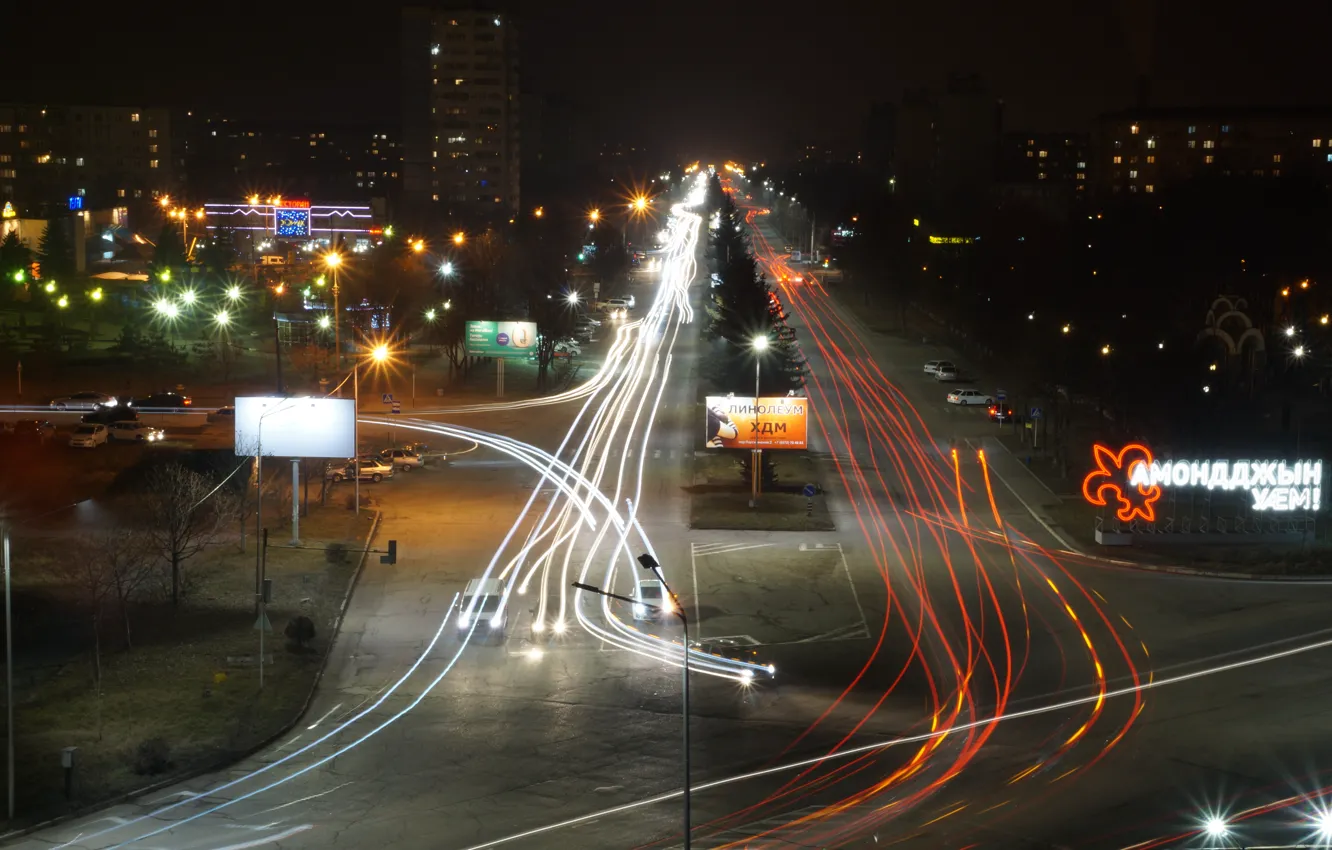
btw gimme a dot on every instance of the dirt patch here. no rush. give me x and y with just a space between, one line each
186 695
719 497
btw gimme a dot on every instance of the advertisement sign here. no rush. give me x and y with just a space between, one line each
295 427
1132 481
501 339
743 422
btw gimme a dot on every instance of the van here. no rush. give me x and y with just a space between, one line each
484 598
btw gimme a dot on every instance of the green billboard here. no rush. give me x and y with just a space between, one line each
501 339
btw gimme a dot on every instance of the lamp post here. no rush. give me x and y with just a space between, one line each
760 345
333 260
650 563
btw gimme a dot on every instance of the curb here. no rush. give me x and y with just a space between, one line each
212 767
1170 569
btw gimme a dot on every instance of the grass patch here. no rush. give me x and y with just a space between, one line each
186 695
719 496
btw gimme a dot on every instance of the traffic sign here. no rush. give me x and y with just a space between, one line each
1035 413
388 398
1002 395
810 490
397 407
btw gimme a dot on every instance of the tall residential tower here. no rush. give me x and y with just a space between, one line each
460 116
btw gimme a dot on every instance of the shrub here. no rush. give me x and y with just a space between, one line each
300 631
152 756
336 553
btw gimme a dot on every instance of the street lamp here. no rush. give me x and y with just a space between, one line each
1216 828
334 260
676 608
459 238
222 318
189 296
572 298
760 345
233 293
418 246
446 269
595 216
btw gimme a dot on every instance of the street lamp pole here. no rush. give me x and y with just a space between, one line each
650 563
356 431
9 674
760 345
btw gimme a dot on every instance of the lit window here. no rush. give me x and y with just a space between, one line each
43 159
1151 143
1193 143
1082 175
1118 144
23 128
459 81
152 134
78 160
1031 142
151 149
1043 154
1134 129
313 143
1192 129
7 172
1151 159
1082 165
1118 159
1318 143
9 128
1208 159
1133 188
1209 144
138 193
1276 157
1040 175
4 157
1329 157
1030 154
1276 172
152 163
434 50
134 116
1133 174
1149 188
434 197
120 193
1225 128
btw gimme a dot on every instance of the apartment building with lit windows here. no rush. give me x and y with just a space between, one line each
106 156
461 140
1141 151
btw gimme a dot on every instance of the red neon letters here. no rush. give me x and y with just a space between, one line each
1110 477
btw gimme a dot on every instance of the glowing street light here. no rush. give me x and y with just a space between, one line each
760 343
325 323
333 259
539 212
18 276
1323 823
1066 329
1105 350
640 203
63 302
222 318
1215 827
50 287
459 238
96 294
418 246
572 298
165 276
446 269
189 296
233 293
430 315
595 216
1298 352
1290 331
164 201
380 353
166 308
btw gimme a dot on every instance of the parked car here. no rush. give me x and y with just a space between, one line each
1001 413
225 413
161 399
969 397
933 366
107 415
88 436
653 602
370 469
404 459
135 432
84 400
38 430
946 372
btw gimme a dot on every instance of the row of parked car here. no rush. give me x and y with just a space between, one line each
93 400
946 370
377 467
87 435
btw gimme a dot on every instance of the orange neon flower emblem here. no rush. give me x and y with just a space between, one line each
1110 478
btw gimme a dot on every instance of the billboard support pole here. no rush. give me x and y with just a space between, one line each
356 432
756 458
295 501
499 377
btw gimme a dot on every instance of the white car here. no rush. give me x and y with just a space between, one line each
403 459
89 436
135 432
933 366
84 400
946 372
370 469
652 600
969 397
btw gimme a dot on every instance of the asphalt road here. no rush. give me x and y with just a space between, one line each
920 615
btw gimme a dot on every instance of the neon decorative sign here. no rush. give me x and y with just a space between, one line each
1136 481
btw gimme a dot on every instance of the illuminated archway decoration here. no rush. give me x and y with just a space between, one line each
1110 476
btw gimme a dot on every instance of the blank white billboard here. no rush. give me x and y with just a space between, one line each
295 427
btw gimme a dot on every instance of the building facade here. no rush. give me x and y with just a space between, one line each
1045 172
461 112
1140 151
104 156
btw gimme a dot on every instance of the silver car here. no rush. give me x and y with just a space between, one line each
84 400
135 432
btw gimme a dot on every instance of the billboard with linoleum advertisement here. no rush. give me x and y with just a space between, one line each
743 422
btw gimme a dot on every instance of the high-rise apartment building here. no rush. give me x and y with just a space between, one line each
460 120
103 156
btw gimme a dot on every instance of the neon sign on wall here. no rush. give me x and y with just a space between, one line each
1135 481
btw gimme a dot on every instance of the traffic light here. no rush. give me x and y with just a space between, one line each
392 556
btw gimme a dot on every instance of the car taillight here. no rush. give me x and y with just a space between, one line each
188 402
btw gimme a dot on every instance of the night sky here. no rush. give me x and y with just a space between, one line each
689 77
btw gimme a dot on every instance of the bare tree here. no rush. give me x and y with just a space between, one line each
184 512
89 577
125 555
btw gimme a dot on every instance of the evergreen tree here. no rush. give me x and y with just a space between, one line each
219 254
56 251
169 253
14 256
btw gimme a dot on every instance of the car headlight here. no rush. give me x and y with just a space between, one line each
639 610
495 621
463 620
